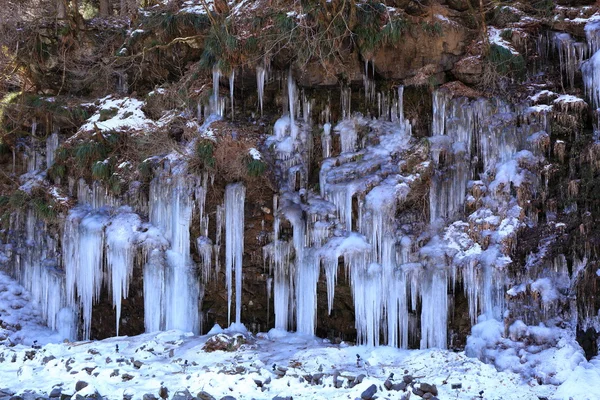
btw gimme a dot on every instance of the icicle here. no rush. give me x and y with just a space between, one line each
235 194
231 86
591 78
345 101
120 243
205 250
51 146
171 210
292 105
83 245
154 288
592 35
326 140
434 311
260 84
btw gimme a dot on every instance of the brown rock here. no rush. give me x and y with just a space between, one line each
419 49
469 70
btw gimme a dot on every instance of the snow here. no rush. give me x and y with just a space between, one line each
128 115
176 360
495 37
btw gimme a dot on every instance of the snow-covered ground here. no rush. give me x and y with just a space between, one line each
263 367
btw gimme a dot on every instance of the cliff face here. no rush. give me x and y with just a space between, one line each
363 171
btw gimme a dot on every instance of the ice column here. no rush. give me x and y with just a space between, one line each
235 194
171 210
83 250
120 248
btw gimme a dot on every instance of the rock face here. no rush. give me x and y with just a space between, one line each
438 46
327 178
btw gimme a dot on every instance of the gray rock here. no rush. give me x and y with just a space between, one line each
16 398
149 396
137 364
205 396
399 386
427 396
317 379
56 392
426 387
408 379
359 379
283 398
80 385
369 393
336 382
418 392
228 398
47 359
388 384
65 396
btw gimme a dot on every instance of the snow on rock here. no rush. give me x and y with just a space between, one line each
495 37
548 354
118 114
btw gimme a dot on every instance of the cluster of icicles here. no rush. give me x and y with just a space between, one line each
353 222
103 243
350 222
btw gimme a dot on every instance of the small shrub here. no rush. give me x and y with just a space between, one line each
506 34
101 170
255 167
205 152
505 62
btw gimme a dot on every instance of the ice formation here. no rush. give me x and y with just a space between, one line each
473 178
235 195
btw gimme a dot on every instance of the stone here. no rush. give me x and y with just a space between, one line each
47 359
205 396
408 379
427 396
126 377
222 342
388 384
418 392
283 398
137 364
163 392
228 398
55 393
317 379
149 396
369 393
359 379
469 70
426 387
399 386
80 385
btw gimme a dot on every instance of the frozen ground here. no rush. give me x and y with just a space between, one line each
265 366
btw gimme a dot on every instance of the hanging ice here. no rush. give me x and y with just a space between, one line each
235 194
